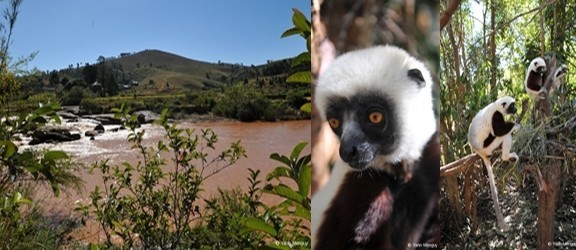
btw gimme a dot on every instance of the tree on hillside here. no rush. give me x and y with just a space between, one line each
101 59
8 83
54 78
107 79
90 74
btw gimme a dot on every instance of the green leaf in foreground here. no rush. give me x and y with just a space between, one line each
255 224
55 155
286 192
307 107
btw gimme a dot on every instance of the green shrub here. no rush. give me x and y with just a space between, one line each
202 101
275 111
298 97
243 103
156 210
30 229
75 95
43 98
22 226
222 227
285 225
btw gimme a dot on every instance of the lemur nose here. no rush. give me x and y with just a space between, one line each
349 153
355 152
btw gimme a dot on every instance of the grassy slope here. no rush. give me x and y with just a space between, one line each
177 71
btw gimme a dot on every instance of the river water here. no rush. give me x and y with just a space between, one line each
260 139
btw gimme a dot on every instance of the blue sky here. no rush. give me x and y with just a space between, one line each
65 32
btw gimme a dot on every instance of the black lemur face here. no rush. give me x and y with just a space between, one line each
367 126
511 109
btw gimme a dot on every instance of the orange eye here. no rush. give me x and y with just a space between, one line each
334 123
375 117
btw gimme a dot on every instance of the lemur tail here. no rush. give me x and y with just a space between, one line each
501 221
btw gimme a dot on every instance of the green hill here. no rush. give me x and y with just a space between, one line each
159 71
166 69
154 80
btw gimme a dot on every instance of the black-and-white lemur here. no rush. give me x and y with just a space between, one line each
558 76
383 192
534 82
488 130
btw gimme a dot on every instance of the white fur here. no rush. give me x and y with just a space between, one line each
384 69
558 76
532 67
324 196
480 128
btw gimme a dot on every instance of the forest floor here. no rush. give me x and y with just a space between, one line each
520 208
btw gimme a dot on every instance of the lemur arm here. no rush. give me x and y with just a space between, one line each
499 126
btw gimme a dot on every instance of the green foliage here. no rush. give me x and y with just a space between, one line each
302 62
286 224
238 101
276 110
107 79
146 205
8 84
103 105
42 98
25 230
30 229
201 101
14 164
242 102
90 74
22 225
221 227
75 95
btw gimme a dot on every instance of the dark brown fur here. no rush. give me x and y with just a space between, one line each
375 210
534 81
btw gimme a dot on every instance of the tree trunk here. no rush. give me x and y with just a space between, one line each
454 197
551 173
547 204
493 67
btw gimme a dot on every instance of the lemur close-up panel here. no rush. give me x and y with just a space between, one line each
376 151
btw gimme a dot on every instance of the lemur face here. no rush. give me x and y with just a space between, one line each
507 105
538 65
367 125
561 71
379 103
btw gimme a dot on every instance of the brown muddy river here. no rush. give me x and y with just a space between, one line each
260 139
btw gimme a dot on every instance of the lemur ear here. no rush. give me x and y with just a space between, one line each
416 75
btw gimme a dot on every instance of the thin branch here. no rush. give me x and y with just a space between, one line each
537 175
524 109
502 25
569 125
458 165
448 13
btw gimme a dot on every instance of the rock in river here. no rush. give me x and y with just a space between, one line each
146 116
56 133
104 119
99 128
